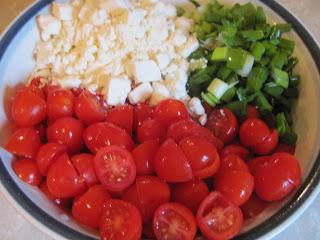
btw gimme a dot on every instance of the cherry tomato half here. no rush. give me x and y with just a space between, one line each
141 112
151 130
115 168
63 203
121 116
253 131
236 150
60 104
174 221
120 220
268 144
218 218
253 207
27 170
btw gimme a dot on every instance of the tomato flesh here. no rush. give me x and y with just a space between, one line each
151 130
121 116
253 131
27 170
141 112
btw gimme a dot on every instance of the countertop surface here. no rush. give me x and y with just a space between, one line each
306 227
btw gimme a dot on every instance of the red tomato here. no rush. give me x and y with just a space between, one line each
63 180
121 116
253 131
115 168
63 203
186 128
144 155
24 142
223 123
27 170
35 86
252 112
283 147
89 108
67 131
60 104
84 165
277 177
141 112
235 150
255 162
190 194
151 130
218 218
147 194
253 207
99 135
47 154
268 144
87 208
237 186
48 88
170 111
171 164
174 221
120 220
202 156
28 108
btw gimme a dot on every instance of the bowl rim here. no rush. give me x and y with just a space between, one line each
271 225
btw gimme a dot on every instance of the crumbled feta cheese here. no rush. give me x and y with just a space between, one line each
176 84
162 60
48 25
196 107
62 11
184 24
179 38
116 89
67 81
160 92
189 47
203 119
144 71
140 93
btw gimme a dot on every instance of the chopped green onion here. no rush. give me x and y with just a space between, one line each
275 33
291 93
285 27
210 99
220 54
280 77
218 87
279 60
263 104
236 58
273 89
239 108
199 53
203 75
294 81
241 94
260 15
224 72
246 69
287 45
292 62
252 35
256 78
286 133
228 95
257 50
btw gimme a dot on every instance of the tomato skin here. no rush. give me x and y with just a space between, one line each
115 168
253 207
47 154
217 209
151 130
87 208
147 194
24 142
190 194
224 124
63 203
63 180
268 144
237 186
174 213
141 112
121 116
202 156
171 164
144 155
27 170
28 108
252 112
84 165
89 108
104 134
120 220
170 111
253 131
67 131
60 104
234 149
277 177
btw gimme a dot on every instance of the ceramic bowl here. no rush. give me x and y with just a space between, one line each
16 62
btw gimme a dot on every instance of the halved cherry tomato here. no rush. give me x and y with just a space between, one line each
237 186
253 131
87 208
89 108
28 108
147 194
171 164
141 112
67 131
63 203
115 168
27 170
24 142
253 207
218 218
144 155
170 111
47 154
277 177
63 180
121 116
120 220
252 112
234 149
83 163
223 123
151 130
60 103
174 221
268 144
190 194
255 162
283 147
99 135
202 156
35 86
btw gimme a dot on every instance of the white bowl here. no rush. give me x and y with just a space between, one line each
16 62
